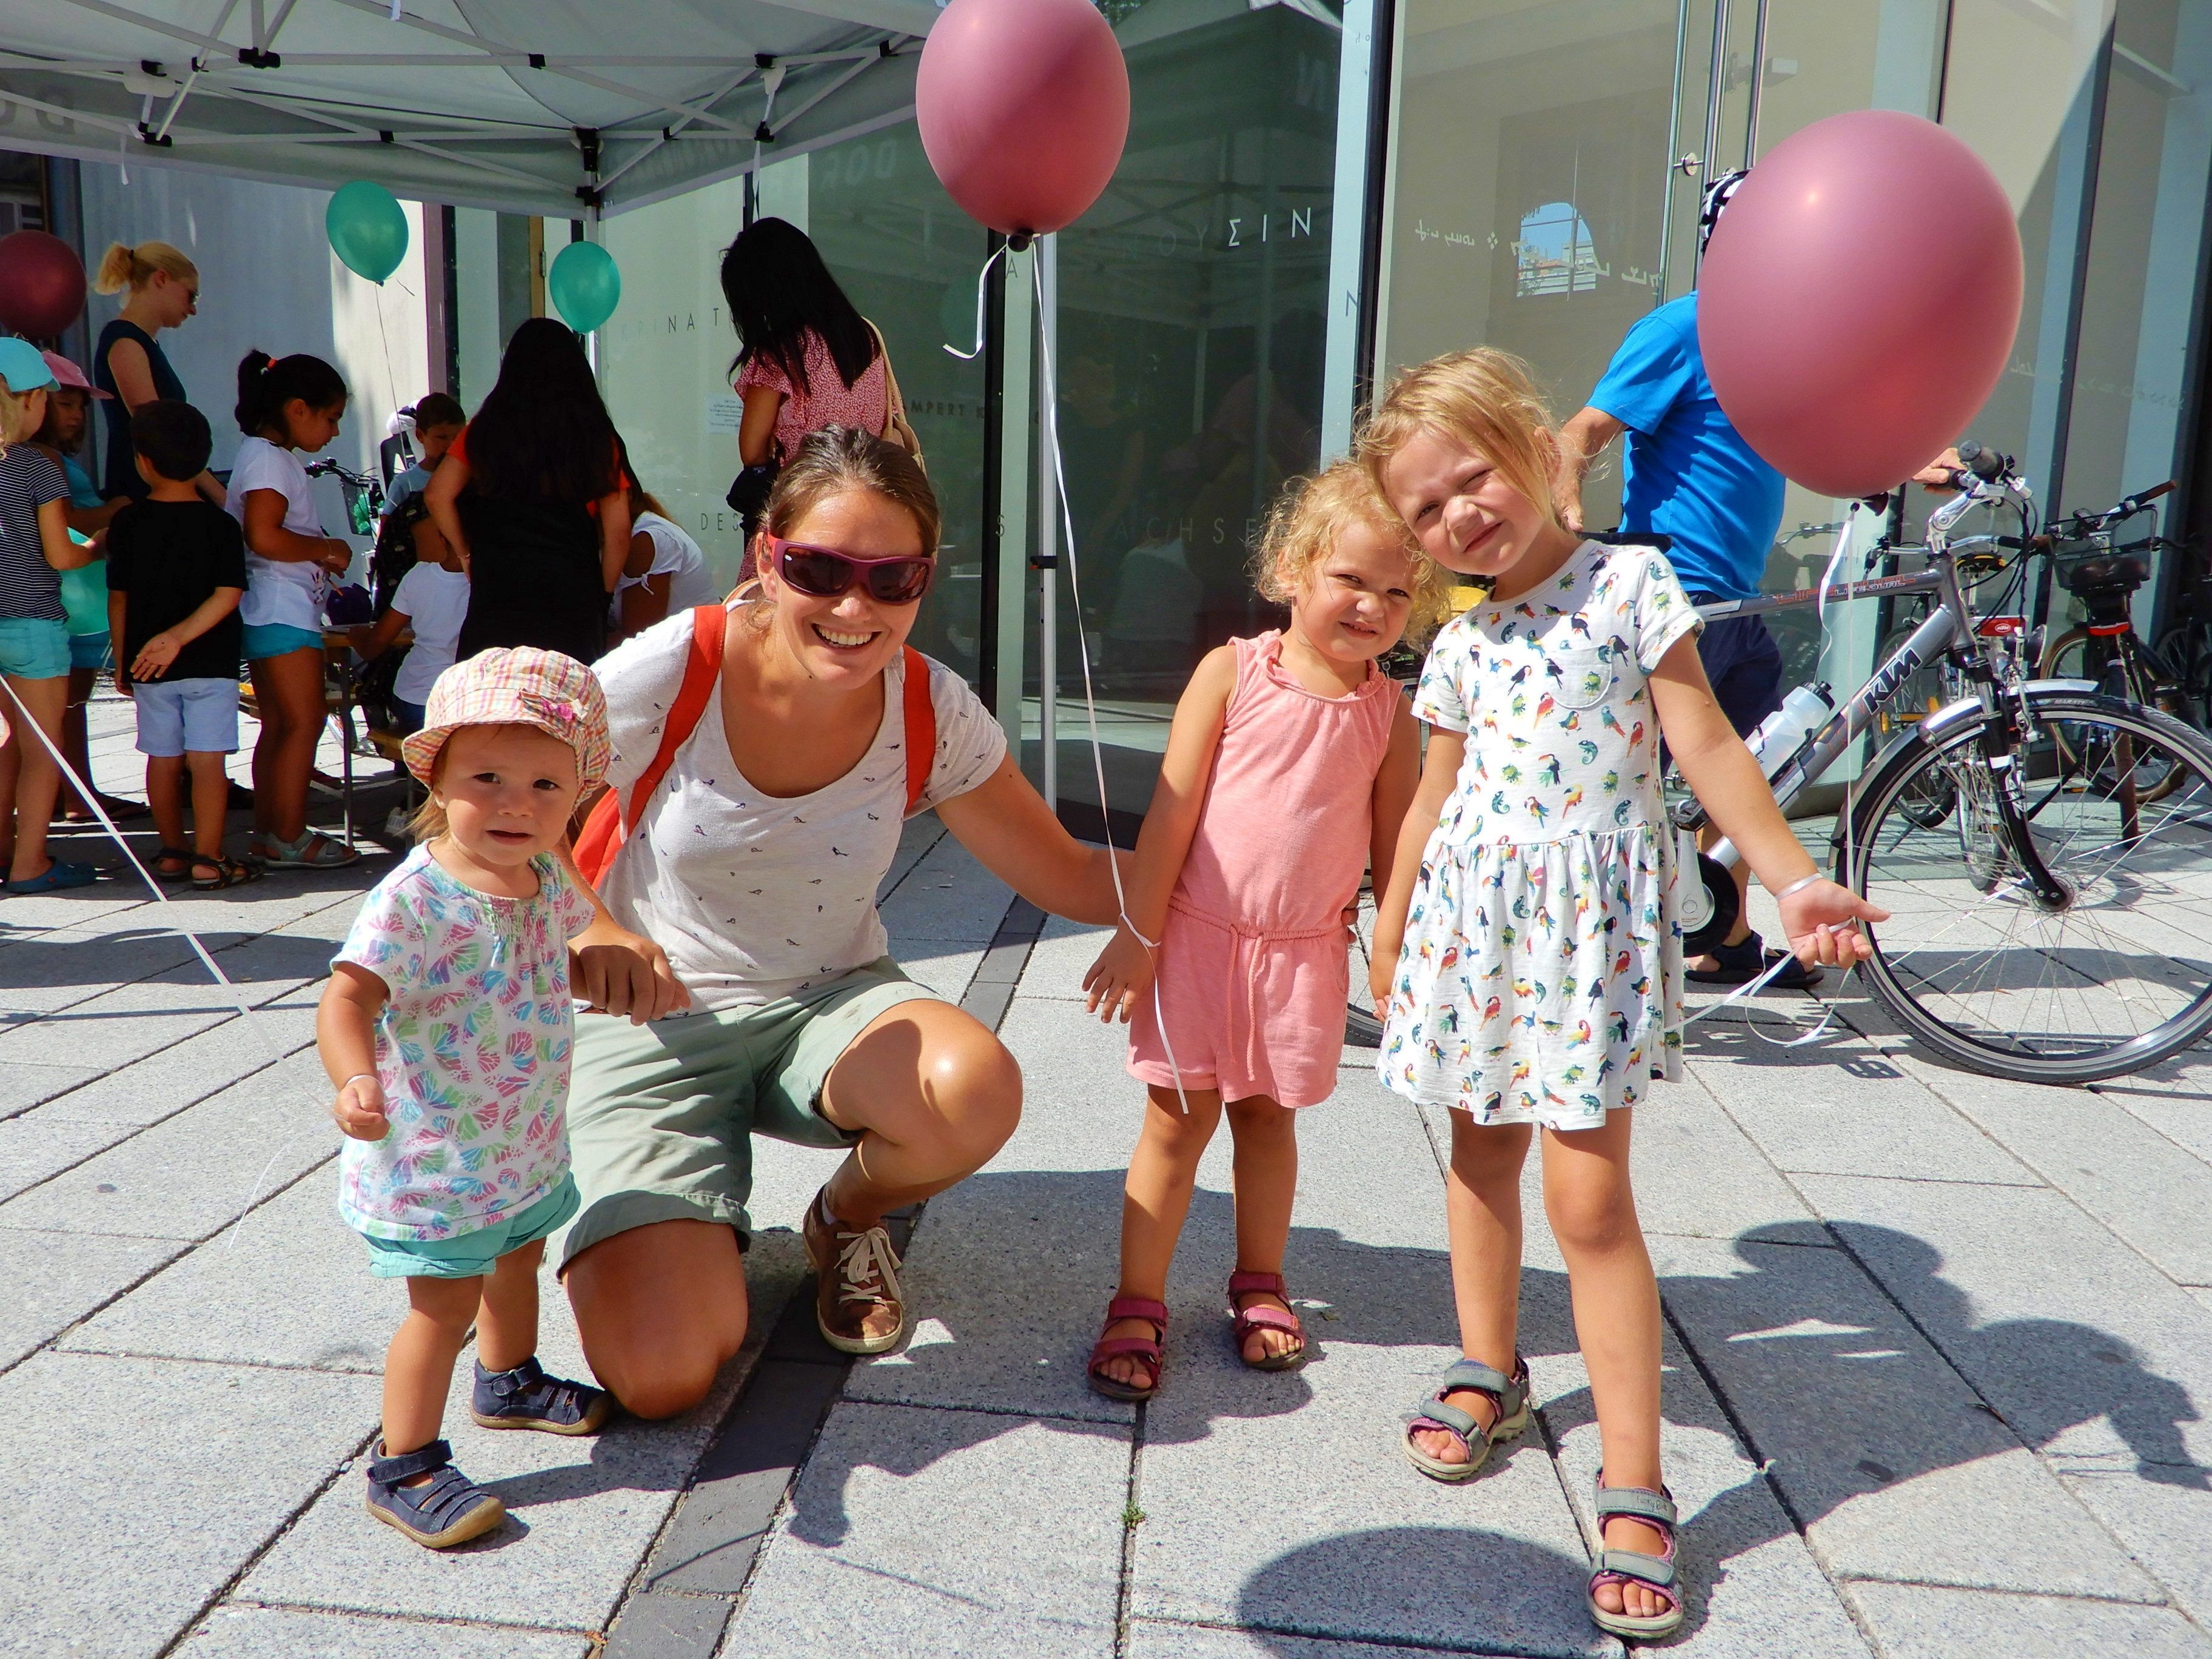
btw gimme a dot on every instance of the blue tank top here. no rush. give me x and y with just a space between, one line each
122 472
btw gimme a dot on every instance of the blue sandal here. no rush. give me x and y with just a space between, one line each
1508 1394
56 876
1624 1567
447 1510
526 1398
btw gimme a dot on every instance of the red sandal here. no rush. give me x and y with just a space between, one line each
1145 1350
1264 1318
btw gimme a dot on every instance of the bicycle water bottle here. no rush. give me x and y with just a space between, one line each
1782 733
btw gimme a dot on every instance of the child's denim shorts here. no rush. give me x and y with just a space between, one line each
469 1254
186 717
32 648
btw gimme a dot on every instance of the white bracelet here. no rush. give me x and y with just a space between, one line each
1800 884
358 1076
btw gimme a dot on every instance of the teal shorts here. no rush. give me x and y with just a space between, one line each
278 639
472 1255
661 1117
32 648
87 651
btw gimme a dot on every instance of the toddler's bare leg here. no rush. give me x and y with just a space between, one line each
1265 1133
1155 1202
1482 1213
418 1368
506 1325
1593 1214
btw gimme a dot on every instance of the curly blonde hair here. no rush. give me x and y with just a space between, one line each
1310 516
1484 397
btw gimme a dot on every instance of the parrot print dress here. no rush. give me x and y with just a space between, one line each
1541 976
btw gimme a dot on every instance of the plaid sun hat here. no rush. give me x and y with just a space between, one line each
517 686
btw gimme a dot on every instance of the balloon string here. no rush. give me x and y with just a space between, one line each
1050 411
22 721
982 280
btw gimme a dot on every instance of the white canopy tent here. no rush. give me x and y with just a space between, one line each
565 108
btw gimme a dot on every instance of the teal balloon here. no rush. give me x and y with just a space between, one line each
585 285
84 597
367 228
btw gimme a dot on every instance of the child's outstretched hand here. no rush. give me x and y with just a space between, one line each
1122 973
358 1109
1818 918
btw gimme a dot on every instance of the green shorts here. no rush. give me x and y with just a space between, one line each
661 1117
466 1255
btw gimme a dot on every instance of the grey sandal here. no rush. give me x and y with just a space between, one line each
1508 1394
447 1510
1654 1573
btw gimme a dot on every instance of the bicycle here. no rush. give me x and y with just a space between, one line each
2105 576
2044 847
364 496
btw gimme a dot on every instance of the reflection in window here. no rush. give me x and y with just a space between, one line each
1554 254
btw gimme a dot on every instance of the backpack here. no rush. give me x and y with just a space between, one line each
607 825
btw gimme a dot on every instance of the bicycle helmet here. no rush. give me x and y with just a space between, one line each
1715 198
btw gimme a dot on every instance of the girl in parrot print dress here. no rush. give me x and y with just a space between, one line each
1527 959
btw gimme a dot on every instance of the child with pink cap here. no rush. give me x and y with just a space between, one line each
447 1027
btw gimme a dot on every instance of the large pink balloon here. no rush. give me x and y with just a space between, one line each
41 284
1858 301
1024 106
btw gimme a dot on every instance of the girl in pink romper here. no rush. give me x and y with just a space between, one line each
1290 766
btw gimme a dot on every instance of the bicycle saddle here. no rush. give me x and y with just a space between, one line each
2112 571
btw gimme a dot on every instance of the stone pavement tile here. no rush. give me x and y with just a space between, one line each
252 1632
2173 1097
2164 1515
2091 1353
133 1021
1696 1171
945 969
1892 1465
60 968
290 1287
1154 1639
657 1625
1808 1114
167 1081
916 836
25 1084
1362 1547
1063 954
2151 1192
898 1540
1081 1110
34 1147
1920 1622
55 1278
187 1175
1754 1590
80 908
947 895
116 1534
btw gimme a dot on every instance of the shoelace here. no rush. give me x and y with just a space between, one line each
868 1270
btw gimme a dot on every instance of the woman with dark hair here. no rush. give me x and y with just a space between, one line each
808 359
738 932
532 497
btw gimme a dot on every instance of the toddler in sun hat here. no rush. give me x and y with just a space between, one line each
447 1027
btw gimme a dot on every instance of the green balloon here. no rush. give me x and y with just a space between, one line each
585 285
367 228
84 597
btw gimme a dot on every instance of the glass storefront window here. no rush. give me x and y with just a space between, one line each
1190 329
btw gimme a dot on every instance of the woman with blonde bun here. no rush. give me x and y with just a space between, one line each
163 288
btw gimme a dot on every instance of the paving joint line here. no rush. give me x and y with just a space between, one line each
2010 1592
387 1616
1387 1644
1133 1516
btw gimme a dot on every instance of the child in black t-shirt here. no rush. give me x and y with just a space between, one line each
176 569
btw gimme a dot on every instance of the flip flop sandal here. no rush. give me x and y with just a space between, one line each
1508 1394
1623 1567
229 872
311 850
183 855
447 1510
1264 1318
1145 1350
526 1398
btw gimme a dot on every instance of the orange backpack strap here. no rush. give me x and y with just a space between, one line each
921 728
607 826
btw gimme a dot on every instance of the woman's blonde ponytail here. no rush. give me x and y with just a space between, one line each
123 266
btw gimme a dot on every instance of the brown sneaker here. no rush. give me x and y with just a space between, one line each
857 1300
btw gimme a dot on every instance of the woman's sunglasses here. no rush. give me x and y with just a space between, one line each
822 573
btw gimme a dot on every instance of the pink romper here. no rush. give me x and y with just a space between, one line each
1253 975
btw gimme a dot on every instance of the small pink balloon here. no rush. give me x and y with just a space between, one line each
1858 301
1024 106
41 284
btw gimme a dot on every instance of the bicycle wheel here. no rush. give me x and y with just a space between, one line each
2119 669
2184 650
2116 802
